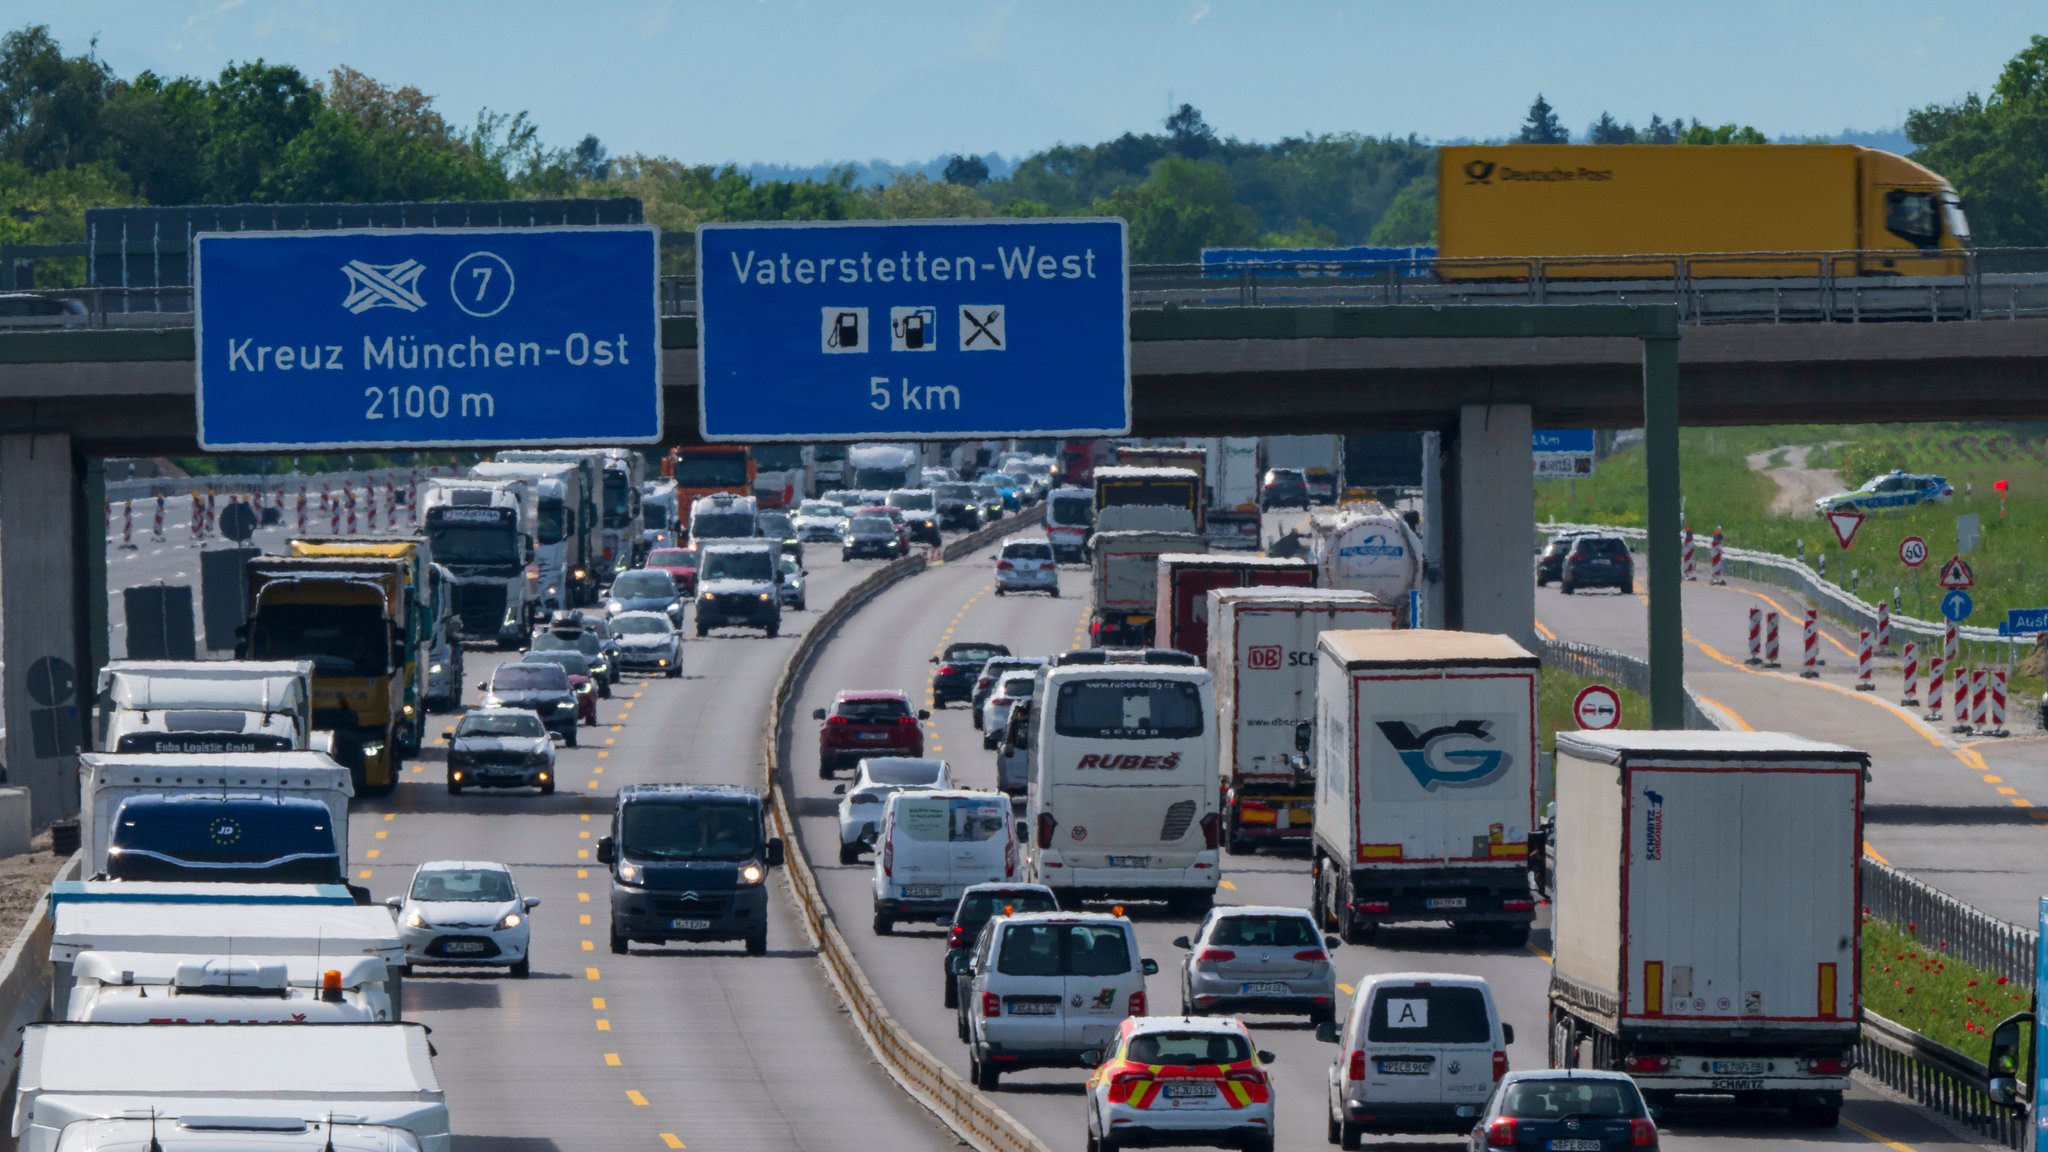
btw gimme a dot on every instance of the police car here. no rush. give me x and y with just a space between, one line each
1894 489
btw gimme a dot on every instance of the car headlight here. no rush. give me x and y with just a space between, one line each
565 705
511 920
407 709
711 595
580 574
675 610
629 873
585 688
435 669
752 874
764 596
552 590
373 749
415 920
614 606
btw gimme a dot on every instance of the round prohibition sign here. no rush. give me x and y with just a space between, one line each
481 284
1912 551
1597 708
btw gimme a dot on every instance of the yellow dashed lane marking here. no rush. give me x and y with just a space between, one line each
604 1025
670 1139
583 873
1228 885
583 835
372 854
583 919
583 853
583 897
590 973
597 1003
589 946
638 1100
1346 989
611 1059
363 875
586 817
382 834
391 816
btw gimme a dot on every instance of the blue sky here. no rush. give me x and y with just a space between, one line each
804 81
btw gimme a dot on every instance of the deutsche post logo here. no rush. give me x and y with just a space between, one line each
1478 171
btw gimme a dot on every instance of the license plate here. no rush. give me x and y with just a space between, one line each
922 891
454 946
1264 988
1034 1009
1190 1091
873 735
1739 1067
1444 902
1130 861
689 925
1575 1145
1404 1067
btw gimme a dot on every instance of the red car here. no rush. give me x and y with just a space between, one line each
862 724
680 564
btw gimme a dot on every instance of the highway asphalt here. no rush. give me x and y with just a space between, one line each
888 644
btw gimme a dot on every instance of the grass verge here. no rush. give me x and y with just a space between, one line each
1917 984
1554 694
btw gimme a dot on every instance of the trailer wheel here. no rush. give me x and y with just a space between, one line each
1820 1113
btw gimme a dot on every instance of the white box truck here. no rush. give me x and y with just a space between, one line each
177 988
285 814
205 1087
206 707
1262 651
1125 585
1425 751
1707 919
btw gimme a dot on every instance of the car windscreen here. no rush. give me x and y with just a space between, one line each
973 653
884 711
479 885
957 492
672 558
871 526
288 842
664 830
1123 709
978 907
1597 546
903 770
520 677
775 525
573 663
776 457
509 724
909 498
585 643
1266 932
640 626
951 819
1542 1098
1018 685
823 508
752 564
1188 1048
1428 1014
644 586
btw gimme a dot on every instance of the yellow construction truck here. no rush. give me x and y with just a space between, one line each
355 617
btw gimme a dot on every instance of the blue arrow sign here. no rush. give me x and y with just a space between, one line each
1573 440
913 329
410 338
1956 606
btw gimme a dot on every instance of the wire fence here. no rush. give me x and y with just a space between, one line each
1972 936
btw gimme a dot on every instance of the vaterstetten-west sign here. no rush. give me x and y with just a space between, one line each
915 329
429 337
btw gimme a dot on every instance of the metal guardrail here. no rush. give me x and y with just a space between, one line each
1630 672
967 1111
1937 1078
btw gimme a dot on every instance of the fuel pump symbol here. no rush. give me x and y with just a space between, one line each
913 329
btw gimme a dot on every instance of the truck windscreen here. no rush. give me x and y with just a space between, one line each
777 457
618 499
197 838
1172 493
1072 511
340 640
715 470
550 522
471 544
655 830
1122 709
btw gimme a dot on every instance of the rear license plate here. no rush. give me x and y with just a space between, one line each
1033 1009
1739 1067
689 925
1575 1145
873 735
1263 988
1446 902
1130 861
922 892
455 946
1190 1091
1404 1067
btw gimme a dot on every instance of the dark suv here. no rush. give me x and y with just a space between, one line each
1597 562
1551 559
957 509
958 669
689 862
863 724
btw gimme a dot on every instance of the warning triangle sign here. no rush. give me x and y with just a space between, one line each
1956 574
1845 523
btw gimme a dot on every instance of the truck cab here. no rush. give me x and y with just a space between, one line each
689 862
206 706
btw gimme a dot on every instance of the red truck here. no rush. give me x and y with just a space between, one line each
1185 579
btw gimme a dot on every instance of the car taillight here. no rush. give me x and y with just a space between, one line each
1215 956
957 938
1257 1087
1357 1069
948 670
1518 905
907 721
1642 1134
1375 907
837 720
1313 956
1500 1066
1137 1003
1211 828
1645 1063
1501 1133
991 1005
1122 1084
1828 1066
1045 826
1005 566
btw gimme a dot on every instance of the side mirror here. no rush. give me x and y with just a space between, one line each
1023 832
1266 1057
1182 943
935 659
2002 1068
443 737
531 903
817 713
1507 1032
944 922
1327 1032
607 851
481 686
395 903
924 714
1332 943
839 789
1092 1056
1304 736
1151 967
775 852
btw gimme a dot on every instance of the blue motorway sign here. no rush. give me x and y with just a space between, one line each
2024 621
1578 441
427 337
913 329
1956 606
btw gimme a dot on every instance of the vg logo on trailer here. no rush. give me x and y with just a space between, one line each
424 337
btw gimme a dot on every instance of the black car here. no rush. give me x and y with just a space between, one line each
1597 562
979 904
959 666
1551 559
1565 1108
543 688
957 508
870 536
1284 488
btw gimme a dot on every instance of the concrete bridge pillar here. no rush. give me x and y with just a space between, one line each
45 644
1492 511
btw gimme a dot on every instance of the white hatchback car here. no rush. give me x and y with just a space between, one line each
874 780
995 711
1175 1080
1026 565
464 912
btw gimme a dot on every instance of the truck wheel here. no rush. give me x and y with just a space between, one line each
1350 1136
824 769
1191 903
1817 1113
1564 586
618 943
773 630
1512 936
985 1074
547 787
757 944
1357 933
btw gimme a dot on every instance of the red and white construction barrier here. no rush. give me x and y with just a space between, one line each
1810 646
1771 640
1997 702
1884 625
349 501
1960 699
1980 699
1717 576
128 524
1688 566
1936 665
156 532
1756 637
1866 664
1912 676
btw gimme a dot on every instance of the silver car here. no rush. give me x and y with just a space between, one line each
793 575
1259 960
649 642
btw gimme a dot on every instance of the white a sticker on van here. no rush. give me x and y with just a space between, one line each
1407 1013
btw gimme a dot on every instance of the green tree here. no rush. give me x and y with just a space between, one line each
1411 218
49 103
969 170
1606 131
915 196
369 141
156 131
1191 135
1181 207
253 113
1699 133
1994 149
1542 126
1658 132
49 208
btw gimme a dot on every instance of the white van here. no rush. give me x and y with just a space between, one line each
1123 792
932 845
1048 989
1420 1052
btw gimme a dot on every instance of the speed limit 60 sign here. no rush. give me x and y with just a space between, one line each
1912 551
1597 708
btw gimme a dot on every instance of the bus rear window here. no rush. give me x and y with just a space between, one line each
1120 709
